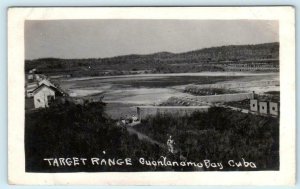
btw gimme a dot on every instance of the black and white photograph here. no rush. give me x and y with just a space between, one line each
152 95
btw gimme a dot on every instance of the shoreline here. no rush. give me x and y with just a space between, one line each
232 74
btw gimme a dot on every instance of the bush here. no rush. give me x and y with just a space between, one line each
80 131
220 135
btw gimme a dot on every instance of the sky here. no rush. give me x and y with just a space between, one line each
108 38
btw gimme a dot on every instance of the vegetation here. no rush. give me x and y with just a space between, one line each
244 104
70 130
163 62
273 96
178 101
220 135
208 91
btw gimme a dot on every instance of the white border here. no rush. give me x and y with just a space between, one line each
16 159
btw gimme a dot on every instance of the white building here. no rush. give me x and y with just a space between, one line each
30 76
32 71
46 82
43 95
38 77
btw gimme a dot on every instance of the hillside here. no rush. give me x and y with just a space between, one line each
156 62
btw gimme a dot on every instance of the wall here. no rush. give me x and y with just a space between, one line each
183 101
145 111
40 98
225 97
235 85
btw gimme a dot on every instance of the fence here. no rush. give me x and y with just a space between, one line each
145 111
224 97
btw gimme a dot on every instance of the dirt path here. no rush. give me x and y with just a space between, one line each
141 136
144 137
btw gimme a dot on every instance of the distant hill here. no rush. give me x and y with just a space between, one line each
236 52
156 61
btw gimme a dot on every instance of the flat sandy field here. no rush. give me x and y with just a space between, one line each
123 93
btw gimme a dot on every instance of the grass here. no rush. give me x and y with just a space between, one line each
220 135
85 131
208 91
29 104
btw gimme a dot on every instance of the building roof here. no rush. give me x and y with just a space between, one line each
46 82
49 87
41 87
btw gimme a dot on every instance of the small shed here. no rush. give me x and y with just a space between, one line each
44 95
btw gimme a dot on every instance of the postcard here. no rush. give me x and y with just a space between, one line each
151 95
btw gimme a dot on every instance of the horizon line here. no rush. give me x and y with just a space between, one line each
151 53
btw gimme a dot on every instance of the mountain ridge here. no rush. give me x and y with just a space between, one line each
159 62
166 53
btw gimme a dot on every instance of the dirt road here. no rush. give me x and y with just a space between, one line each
144 137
